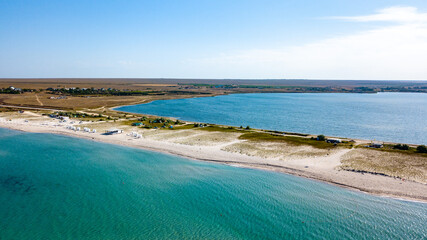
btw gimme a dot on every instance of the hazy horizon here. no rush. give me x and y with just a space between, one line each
328 40
211 79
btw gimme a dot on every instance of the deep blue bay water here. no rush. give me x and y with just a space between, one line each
394 117
57 187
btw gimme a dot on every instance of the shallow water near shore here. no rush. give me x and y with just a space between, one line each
57 187
394 117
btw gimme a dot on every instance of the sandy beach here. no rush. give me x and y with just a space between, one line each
304 161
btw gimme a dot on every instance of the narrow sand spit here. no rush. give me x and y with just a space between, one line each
305 161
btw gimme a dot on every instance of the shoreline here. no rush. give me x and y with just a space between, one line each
310 168
115 109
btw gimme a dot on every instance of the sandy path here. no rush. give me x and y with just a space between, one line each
38 100
331 161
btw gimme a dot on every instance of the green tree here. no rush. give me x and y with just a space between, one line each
401 147
422 149
321 138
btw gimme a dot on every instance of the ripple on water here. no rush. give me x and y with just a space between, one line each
362 116
87 190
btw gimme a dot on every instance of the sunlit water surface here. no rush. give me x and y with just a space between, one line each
56 187
395 117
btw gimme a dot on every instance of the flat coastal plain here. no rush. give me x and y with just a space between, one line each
394 174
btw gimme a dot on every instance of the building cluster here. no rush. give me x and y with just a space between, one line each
81 89
60 97
15 89
11 90
77 129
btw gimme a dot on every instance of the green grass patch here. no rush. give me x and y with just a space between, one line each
153 122
182 127
296 141
389 148
288 133
215 128
210 128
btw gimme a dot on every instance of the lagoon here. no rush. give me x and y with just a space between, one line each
57 187
394 117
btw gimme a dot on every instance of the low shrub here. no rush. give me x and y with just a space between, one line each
401 147
422 149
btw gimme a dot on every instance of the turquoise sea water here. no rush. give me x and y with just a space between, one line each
56 187
395 117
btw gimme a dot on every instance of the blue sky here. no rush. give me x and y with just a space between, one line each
328 39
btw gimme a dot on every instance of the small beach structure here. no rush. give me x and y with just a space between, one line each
135 135
375 145
113 131
333 140
93 130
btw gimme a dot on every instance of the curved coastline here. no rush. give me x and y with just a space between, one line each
127 185
371 184
365 182
287 170
367 139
